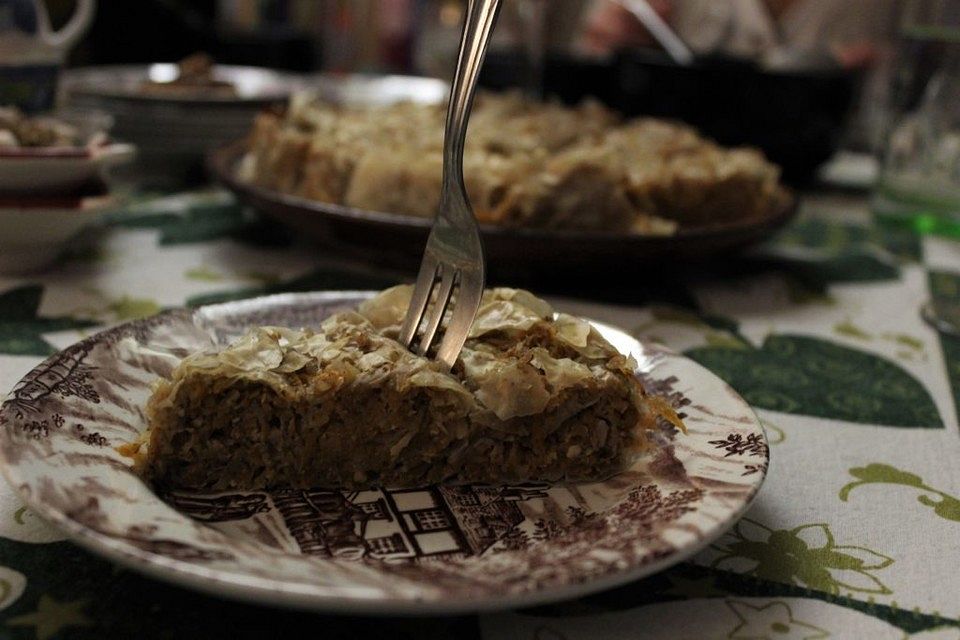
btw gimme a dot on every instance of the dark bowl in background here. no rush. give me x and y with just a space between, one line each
569 78
796 117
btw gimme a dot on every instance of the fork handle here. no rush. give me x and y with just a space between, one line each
477 27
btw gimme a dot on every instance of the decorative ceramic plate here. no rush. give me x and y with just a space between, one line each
435 549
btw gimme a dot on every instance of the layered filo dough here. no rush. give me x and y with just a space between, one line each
526 164
534 396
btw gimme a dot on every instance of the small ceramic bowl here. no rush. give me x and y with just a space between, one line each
33 231
56 170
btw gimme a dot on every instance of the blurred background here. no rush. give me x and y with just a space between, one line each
799 78
859 97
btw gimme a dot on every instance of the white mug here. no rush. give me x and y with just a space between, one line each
31 52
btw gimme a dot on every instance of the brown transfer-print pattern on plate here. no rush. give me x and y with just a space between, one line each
398 524
65 374
754 445
387 550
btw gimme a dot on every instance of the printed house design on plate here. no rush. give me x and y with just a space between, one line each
386 524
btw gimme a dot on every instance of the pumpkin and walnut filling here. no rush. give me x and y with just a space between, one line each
534 396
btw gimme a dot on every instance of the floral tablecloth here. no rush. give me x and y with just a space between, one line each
854 534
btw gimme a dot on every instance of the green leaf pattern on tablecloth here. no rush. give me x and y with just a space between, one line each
21 328
834 253
116 309
951 357
945 287
819 274
943 504
771 620
204 274
775 434
692 588
806 555
814 377
198 223
687 580
809 280
53 589
51 617
716 331
208 219
838 238
12 585
101 601
317 280
848 329
127 308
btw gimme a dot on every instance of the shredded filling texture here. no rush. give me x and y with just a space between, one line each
534 396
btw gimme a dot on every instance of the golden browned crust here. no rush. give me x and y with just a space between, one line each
533 397
526 165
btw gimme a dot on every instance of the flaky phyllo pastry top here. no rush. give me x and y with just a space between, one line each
526 164
543 393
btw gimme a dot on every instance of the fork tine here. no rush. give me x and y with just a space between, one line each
454 248
438 308
469 295
419 299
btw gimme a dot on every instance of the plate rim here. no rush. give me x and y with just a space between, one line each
302 596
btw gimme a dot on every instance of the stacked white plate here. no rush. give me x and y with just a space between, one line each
49 194
173 132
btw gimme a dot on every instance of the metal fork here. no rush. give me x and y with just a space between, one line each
453 263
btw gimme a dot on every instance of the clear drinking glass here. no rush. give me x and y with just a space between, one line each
919 185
